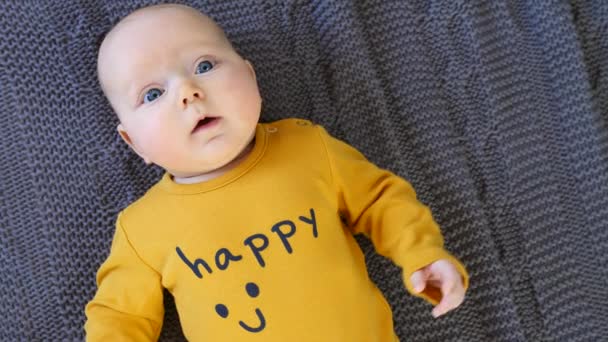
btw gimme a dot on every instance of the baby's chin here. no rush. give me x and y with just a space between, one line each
211 171
195 177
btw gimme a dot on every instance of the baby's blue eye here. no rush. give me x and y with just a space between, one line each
203 67
152 95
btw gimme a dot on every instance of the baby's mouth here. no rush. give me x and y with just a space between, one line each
205 123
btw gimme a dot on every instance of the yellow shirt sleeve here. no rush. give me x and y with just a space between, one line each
128 305
384 207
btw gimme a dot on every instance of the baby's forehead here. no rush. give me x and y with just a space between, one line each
158 25
165 17
142 37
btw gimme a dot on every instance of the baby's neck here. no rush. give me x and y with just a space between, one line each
217 172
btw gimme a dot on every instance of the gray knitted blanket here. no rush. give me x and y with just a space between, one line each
495 110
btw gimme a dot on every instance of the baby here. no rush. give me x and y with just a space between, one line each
251 227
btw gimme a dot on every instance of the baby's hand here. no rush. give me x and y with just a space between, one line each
444 276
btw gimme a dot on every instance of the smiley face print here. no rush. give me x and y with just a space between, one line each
253 291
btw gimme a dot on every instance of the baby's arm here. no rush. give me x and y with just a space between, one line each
128 305
384 207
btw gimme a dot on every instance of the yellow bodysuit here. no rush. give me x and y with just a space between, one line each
266 251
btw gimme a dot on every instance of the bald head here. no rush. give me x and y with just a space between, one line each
166 10
152 25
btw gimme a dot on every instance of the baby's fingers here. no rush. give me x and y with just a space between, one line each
418 280
452 297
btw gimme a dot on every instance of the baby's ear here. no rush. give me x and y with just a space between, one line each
251 69
127 139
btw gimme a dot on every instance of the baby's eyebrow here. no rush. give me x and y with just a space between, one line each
202 48
132 90
137 80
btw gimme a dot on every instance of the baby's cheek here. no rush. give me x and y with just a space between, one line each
159 140
244 86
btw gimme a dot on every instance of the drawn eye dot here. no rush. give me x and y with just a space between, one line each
221 310
252 290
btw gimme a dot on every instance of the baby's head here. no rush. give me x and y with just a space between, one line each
186 100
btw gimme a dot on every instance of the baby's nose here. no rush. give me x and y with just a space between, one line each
190 96
189 92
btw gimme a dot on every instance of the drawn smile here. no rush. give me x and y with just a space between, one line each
253 291
261 325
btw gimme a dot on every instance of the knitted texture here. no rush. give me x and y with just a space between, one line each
496 111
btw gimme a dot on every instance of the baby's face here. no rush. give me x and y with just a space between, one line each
186 100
